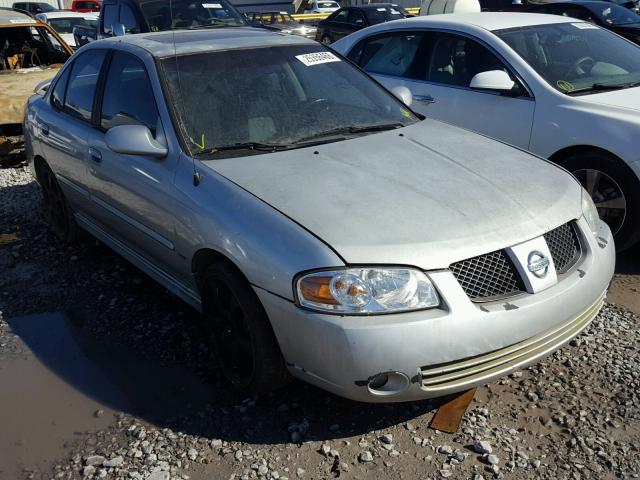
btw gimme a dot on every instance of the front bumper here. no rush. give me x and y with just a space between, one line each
445 350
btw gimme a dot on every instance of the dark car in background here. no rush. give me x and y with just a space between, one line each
34 7
351 19
620 20
281 22
122 17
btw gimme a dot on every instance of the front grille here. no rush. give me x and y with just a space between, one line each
470 371
493 275
487 276
564 246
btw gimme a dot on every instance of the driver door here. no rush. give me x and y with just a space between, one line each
132 195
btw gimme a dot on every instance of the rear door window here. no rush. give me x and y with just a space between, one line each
82 84
398 54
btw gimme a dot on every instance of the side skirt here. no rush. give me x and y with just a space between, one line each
163 278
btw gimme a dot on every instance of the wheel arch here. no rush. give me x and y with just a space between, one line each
567 152
206 256
38 164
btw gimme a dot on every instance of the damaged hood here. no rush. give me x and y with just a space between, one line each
425 195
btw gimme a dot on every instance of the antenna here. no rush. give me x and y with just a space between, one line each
196 175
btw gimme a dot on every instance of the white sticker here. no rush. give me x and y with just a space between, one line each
22 20
381 9
211 5
310 59
584 26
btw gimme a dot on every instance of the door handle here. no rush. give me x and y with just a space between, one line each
44 128
424 98
95 155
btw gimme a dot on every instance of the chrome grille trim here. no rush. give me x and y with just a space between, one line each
476 370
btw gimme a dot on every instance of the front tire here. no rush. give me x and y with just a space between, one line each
240 332
615 190
57 211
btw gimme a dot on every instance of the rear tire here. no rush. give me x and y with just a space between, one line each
57 211
615 190
241 332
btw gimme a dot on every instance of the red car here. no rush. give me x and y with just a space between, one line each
85 6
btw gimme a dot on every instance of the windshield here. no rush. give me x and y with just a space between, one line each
576 57
189 14
285 97
614 15
383 14
65 25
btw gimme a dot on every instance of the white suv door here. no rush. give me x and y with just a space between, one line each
438 67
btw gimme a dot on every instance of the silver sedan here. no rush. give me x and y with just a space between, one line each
324 229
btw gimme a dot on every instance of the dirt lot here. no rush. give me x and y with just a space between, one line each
103 374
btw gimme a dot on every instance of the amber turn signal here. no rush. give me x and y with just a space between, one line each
316 289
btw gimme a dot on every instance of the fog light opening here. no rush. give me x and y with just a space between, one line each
388 383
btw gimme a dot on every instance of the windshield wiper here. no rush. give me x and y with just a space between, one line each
602 87
352 130
255 146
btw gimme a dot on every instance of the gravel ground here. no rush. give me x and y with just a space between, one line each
575 415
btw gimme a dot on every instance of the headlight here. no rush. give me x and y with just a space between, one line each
367 290
590 212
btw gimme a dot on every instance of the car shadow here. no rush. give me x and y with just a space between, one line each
628 262
124 341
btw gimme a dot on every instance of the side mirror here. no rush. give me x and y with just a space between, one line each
42 87
403 94
119 30
134 140
497 80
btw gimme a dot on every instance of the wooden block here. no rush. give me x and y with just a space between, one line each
449 414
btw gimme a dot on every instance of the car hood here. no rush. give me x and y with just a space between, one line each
425 195
627 99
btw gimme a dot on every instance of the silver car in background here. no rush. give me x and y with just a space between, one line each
324 230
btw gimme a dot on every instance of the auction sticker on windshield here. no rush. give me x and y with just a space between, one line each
310 59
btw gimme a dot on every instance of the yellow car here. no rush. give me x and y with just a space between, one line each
30 53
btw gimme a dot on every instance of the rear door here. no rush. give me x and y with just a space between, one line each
64 124
132 195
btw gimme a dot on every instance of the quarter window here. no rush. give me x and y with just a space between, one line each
138 106
82 84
